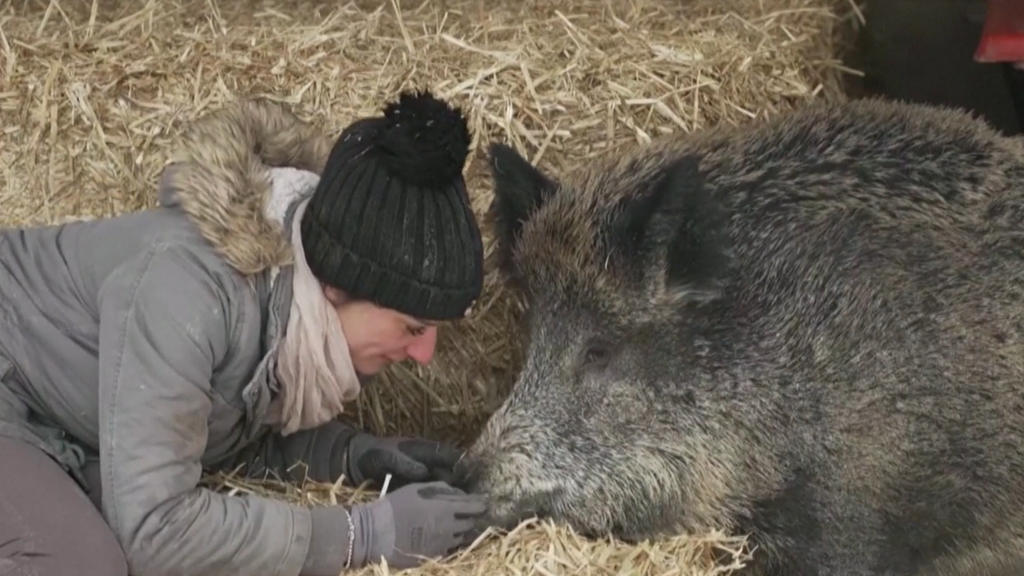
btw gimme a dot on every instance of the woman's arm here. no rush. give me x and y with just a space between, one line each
162 330
335 448
316 455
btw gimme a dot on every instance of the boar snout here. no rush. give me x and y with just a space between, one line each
503 512
466 476
502 467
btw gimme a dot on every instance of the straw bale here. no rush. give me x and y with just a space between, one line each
92 94
533 547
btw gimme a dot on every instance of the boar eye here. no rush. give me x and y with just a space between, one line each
597 354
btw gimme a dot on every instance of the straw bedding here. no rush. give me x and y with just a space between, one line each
92 94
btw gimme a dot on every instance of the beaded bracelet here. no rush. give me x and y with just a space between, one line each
351 538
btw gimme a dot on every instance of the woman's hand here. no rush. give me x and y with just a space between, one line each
408 460
429 520
421 520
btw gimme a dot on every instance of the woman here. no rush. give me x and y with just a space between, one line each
225 329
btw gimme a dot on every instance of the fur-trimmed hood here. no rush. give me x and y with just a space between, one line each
219 176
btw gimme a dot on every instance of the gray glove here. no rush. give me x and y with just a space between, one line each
421 520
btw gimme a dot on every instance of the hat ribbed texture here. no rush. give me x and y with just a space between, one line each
391 221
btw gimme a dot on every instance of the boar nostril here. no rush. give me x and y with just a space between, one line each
464 477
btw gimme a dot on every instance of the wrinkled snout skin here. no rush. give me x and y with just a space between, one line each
808 331
585 443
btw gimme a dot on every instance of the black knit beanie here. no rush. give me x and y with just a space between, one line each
390 220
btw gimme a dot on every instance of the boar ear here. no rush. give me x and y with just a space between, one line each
678 230
519 190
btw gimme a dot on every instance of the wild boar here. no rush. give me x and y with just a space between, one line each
808 330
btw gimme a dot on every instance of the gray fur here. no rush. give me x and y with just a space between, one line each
809 330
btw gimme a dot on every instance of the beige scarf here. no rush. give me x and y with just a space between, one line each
314 366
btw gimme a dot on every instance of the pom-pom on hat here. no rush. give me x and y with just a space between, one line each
390 220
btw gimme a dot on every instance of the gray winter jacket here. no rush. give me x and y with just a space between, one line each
147 341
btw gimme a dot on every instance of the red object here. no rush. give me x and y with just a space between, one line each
1002 34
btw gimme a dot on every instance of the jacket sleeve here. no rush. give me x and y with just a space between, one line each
316 454
163 329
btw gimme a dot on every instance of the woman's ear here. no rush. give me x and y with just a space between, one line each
335 296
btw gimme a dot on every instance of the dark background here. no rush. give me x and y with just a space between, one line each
923 51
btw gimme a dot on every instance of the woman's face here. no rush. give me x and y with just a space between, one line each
381 336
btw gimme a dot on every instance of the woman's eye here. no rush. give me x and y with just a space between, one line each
417 331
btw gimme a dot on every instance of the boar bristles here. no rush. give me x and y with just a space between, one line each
519 190
663 236
679 224
808 331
